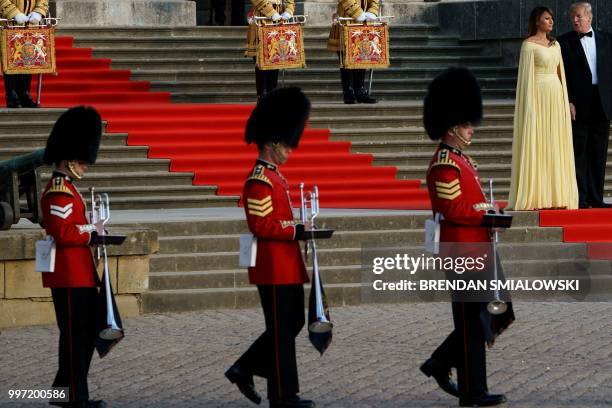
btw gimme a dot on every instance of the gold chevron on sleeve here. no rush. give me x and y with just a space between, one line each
261 207
448 191
259 202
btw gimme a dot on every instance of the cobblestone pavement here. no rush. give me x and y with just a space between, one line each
554 355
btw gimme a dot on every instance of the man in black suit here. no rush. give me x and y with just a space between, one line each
587 56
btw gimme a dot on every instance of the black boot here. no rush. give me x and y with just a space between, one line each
10 86
346 75
361 93
441 375
483 400
23 90
244 382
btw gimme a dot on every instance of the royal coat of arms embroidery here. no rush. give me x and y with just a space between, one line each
365 46
280 47
28 50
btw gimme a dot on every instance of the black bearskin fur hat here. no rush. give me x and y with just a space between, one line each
279 117
453 98
75 136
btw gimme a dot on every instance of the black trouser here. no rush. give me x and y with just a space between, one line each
75 310
464 349
265 80
591 152
272 355
18 83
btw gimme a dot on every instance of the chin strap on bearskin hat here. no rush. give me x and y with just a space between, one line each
279 117
75 136
453 98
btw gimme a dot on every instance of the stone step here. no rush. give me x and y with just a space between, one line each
105 152
393 121
341 239
135 178
328 256
355 223
396 108
513 268
85 33
237 278
33 141
201 299
422 146
311 51
412 172
246 73
230 63
340 294
238 40
308 85
410 133
248 95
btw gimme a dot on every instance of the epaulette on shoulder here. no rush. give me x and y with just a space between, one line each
59 186
443 159
258 174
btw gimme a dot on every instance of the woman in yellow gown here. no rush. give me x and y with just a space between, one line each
543 171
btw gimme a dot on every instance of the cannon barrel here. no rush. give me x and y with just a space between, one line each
22 164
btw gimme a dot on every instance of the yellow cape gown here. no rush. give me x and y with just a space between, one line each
543 170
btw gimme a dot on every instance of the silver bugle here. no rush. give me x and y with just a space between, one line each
496 306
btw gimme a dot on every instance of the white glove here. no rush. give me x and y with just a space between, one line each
35 18
21 18
371 16
276 17
286 15
361 17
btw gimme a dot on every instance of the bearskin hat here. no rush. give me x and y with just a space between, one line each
453 98
279 117
75 136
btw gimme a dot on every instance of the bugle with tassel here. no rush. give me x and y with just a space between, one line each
496 220
319 323
109 325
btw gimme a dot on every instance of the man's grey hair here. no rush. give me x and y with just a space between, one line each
581 4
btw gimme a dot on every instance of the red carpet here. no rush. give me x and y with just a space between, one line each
207 139
593 226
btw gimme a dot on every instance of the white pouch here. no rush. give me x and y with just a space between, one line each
432 234
248 250
45 255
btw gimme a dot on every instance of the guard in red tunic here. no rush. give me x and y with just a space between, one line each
72 145
452 107
276 126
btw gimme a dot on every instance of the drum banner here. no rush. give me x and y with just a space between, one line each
365 46
280 47
28 50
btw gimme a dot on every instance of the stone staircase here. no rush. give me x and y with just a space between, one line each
131 179
197 265
206 64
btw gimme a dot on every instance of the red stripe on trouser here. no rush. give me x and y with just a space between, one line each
72 383
276 353
465 351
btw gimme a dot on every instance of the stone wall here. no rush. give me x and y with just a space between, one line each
507 19
23 300
405 12
125 12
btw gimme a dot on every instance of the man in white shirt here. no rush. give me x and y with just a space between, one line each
587 57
